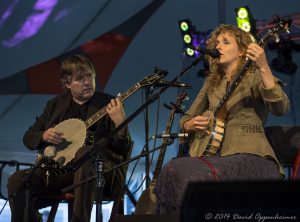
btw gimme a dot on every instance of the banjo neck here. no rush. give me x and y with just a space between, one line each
164 145
102 112
180 98
147 81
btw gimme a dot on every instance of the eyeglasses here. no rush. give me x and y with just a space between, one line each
83 77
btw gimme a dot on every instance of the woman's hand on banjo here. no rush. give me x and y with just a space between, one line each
196 124
53 136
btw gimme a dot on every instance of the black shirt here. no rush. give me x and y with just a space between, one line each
76 110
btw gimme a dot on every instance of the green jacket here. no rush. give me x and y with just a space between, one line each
247 112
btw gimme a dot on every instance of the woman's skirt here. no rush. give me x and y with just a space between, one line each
177 173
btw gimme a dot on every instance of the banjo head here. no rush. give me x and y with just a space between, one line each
74 131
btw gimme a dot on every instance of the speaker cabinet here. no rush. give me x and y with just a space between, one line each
147 218
242 201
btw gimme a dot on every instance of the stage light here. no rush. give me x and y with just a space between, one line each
187 39
184 26
192 38
190 52
242 13
245 20
188 33
246 26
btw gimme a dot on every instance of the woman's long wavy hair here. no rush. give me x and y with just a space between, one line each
242 38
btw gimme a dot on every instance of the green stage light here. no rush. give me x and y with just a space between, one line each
242 13
184 26
191 38
187 39
244 24
245 20
190 52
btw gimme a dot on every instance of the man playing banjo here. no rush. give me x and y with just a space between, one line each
79 102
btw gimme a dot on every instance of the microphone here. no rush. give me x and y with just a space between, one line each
162 83
214 53
172 135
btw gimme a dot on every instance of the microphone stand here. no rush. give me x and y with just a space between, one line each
147 162
72 187
100 182
104 141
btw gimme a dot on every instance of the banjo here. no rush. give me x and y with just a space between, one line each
75 130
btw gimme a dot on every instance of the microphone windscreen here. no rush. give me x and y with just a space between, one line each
214 53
